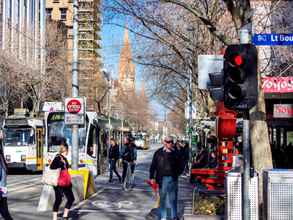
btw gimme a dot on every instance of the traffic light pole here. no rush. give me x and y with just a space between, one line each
244 38
246 168
75 144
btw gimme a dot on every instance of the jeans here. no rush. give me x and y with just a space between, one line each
125 166
113 168
168 195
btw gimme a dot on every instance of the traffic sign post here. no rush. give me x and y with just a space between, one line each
74 111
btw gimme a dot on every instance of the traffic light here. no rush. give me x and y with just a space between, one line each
240 77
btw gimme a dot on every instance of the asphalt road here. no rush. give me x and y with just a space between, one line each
110 201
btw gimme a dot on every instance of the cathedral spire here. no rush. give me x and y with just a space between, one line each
126 66
126 36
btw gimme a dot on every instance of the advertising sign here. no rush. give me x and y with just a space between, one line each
53 106
283 111
74 111
277 84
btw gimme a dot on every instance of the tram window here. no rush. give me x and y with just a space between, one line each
58 131
18 137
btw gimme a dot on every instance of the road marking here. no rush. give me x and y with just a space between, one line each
23 182
109 210
19 188
125 204
133 189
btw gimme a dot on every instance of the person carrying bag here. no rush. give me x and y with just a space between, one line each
64 186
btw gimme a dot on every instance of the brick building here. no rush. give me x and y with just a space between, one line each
90 79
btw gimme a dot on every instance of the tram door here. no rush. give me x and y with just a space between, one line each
40 147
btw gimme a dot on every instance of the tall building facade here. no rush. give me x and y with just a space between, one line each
89 44
20 29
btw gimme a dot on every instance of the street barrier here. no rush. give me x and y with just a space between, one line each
278 194
89 187
233 187
83 187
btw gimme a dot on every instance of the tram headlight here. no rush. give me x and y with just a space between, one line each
8 158
22 157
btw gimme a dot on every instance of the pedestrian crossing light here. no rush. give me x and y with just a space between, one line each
240 77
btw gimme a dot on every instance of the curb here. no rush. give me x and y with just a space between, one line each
202 217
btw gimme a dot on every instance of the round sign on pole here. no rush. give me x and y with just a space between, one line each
74 106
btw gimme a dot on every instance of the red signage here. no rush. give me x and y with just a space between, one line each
74 106
277 84
283 111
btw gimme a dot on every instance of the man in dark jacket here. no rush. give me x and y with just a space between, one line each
165 169
113 157
129 156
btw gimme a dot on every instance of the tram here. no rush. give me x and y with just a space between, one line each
23 141
93 139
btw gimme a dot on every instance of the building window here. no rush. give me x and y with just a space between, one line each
56 1
49 13
63 12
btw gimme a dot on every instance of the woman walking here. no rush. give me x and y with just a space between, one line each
3 188
113 157
64 187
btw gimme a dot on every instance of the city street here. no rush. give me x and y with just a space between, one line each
110 201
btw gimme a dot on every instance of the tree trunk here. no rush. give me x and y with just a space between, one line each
261 149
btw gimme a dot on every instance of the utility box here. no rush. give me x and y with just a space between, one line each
278 194
233 187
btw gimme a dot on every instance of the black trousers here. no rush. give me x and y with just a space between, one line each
125 165
59 192
4 209
113 168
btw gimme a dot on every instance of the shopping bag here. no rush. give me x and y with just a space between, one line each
51 176
64 179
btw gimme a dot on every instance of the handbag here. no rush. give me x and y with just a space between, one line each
50 177
64 179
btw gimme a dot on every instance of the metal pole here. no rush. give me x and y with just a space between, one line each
75 144
246 171
244 39
109 110
190 110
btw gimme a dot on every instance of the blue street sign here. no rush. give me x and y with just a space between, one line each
272 39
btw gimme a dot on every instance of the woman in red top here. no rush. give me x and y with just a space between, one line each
60 162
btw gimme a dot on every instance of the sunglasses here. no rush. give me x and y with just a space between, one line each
168 142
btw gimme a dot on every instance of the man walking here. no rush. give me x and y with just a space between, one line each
165 169
113 158
129 156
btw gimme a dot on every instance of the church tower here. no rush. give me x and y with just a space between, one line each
126 67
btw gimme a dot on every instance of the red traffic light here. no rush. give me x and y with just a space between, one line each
238 60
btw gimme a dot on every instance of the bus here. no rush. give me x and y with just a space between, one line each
23 142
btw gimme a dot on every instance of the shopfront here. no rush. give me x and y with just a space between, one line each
279 109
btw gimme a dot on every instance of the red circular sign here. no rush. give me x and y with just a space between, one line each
73 106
